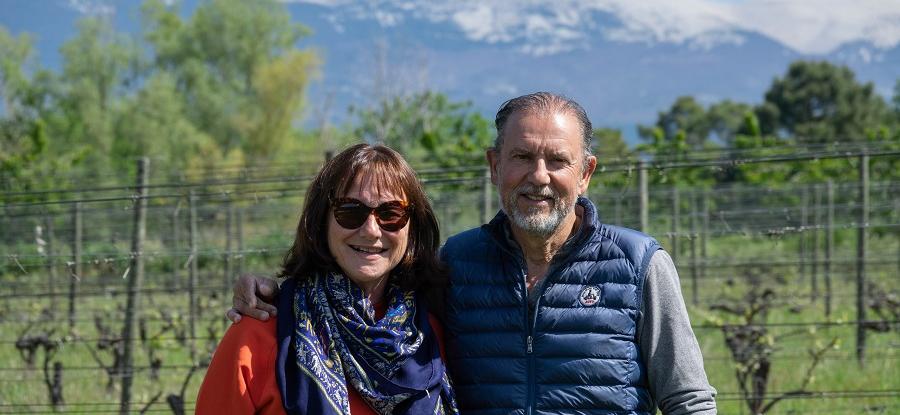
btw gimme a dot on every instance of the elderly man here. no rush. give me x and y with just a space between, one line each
550 311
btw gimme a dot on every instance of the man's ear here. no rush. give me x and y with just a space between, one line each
493 159
590 164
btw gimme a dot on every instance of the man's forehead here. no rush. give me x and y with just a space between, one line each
561 119
522 146
556 114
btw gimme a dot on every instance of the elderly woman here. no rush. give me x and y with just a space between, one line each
352 335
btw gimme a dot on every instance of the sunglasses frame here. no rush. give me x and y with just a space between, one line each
377 210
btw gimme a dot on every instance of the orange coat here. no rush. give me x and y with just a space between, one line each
241 377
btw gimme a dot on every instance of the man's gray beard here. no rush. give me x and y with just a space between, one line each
536 223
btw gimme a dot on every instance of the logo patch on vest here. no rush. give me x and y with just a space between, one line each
589 296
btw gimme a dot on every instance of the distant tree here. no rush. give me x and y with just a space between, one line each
427 126
896 100
751 142
612 153
725 119
818 102
25 92
670 152
610 145
237 70
15 53
99 66
685 117
152 123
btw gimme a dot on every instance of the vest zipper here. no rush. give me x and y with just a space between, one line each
529 342
532 325
529 325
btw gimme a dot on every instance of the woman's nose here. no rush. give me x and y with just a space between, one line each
370 227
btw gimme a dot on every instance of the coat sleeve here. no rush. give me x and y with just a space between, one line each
240 378
668 347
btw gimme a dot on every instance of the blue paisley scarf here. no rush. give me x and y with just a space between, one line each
328 339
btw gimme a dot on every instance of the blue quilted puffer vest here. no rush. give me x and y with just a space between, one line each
575 354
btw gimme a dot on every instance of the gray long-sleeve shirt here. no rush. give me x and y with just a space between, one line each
668 346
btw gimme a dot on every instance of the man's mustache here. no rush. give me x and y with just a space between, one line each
543 191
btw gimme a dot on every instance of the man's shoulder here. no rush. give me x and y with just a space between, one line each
636 246
620 232
625 238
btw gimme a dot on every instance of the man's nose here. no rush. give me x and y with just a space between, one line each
539 173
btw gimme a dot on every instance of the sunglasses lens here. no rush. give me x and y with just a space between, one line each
351 215
390 216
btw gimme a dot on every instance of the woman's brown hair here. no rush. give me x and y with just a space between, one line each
387 171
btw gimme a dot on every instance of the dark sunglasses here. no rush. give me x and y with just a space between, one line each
390 216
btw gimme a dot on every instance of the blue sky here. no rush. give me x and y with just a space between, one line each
623 60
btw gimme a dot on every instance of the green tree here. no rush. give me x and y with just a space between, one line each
896 101
427 127
99 67
818 102
151 123
609 145
24 95
15 53
240 75
685 117
612 153
667 154
727 118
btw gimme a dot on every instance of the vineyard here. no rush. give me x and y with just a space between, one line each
114 289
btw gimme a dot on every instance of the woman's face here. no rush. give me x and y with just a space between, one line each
368 253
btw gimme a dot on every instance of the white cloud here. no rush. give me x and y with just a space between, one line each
552 26
92 7
865 55
501 88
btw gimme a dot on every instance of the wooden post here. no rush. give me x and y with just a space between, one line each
51 267
829 244
618 210
801 242
176 250
861 259
693 225
135 280
644 196
229 223
814 249
240 241
486 212
676 218
76 269
704 235
192 274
